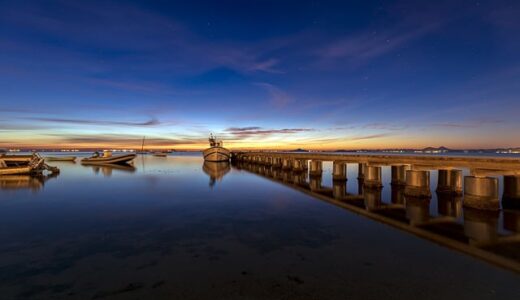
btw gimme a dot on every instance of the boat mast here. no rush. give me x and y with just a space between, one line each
142 145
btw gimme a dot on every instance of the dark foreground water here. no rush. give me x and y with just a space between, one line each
171 229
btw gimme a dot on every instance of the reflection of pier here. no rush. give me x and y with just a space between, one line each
480 187
470 226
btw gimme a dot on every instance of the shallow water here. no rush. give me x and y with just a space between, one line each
169 228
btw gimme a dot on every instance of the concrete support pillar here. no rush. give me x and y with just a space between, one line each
277 173
361 171
481 193
397 195
418 184
512 220
449 204
287 164
316 168
315 183
297 165
511 196
361 183
417 210
480 226
372 197
269 160
373 177
339 189
449 181
299 178
399 175
339 170
277 162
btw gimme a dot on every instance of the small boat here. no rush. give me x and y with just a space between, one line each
60 158
160 154
18 166
216 152
108 158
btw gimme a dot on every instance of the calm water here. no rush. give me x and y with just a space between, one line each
171 229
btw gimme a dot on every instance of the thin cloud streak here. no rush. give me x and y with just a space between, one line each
152 122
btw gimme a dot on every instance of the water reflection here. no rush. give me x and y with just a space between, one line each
17 182
469 230
107 169
215 170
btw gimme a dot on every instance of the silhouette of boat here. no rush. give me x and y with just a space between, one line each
160 154
216 152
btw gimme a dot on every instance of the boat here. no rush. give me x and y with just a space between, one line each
216 152
60 158
19 165
108 158
160 154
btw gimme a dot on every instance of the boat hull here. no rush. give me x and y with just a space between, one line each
117 159
216 154
16 170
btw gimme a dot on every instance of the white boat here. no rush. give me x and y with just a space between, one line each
216 152
108 158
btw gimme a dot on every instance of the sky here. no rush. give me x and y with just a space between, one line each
260 74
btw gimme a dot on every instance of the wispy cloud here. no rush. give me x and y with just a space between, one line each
278 97
368 137
244 132
151 122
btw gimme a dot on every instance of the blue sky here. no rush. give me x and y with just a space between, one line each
260 74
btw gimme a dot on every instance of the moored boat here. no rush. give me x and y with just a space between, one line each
26 164
160 154
216 152
108 158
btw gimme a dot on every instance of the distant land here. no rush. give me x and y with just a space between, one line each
428 150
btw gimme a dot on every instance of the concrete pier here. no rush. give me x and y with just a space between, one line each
511 196
372 198
339 189
397 194
315 183
361 171
372 177
399 175
339 170
449 204
298 165
277 162
449 181
481 193
316 168
287 164
512 220
418 184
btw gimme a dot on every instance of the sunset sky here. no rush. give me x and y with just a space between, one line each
260 74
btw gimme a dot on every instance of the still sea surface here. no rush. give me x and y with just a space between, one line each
172 228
